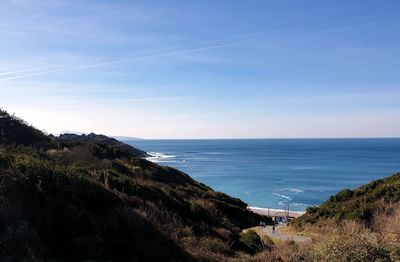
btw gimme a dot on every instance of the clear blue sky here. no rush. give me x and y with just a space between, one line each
203 69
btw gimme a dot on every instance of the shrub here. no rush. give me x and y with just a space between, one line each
358 204
267 242
91 197
354 244
386 224
252 242
290 242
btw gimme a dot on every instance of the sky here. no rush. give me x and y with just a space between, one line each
203 69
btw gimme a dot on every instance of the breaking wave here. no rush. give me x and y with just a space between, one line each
158 157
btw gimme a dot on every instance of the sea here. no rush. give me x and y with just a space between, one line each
274 173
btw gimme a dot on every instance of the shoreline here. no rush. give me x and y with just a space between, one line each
274 211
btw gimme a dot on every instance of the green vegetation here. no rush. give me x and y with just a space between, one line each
91 197
358 204
353 225
267 242
252 241
102 140
344 241
79 197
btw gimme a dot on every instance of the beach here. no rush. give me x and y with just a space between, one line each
275 212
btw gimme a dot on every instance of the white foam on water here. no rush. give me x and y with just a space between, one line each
283 196
296 190
158 157
299 204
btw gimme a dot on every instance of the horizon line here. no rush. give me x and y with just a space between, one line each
261 138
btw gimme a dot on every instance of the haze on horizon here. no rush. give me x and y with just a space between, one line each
203 69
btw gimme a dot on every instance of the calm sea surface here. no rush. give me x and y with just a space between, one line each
271 172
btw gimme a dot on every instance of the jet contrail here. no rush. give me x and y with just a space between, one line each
165 54
72 68
339 28
25 70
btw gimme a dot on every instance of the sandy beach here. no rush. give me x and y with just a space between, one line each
273 211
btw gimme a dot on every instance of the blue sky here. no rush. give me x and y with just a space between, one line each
203 69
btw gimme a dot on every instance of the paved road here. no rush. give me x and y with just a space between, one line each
283 236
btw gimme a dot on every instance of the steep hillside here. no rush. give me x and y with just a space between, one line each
85 199
102 139
14 130
358 204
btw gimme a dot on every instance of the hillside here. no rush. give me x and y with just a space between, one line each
14 130
91 198
357 204
101 139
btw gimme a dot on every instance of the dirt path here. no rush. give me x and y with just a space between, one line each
279 235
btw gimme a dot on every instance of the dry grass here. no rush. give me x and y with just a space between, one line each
293 232
347 241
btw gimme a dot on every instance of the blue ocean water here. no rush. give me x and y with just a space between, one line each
272 172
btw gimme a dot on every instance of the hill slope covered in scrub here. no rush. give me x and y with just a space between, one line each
353 225
14 130
358 204
82 198
102 139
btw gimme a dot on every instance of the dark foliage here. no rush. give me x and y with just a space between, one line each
84 199
358 204
14 130
251 242
117 146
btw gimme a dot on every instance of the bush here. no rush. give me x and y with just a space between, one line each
358 204
251 241
91 197
353 244
268 243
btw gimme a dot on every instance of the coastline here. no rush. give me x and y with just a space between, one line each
273 211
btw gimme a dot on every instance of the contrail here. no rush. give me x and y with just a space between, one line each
165 54
26 70
72 68
339 28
